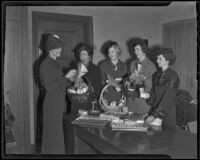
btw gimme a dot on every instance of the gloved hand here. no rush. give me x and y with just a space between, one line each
71 73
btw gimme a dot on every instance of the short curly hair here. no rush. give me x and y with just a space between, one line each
83 47
143 45
168 54
115 45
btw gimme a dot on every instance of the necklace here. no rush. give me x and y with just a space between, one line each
115 67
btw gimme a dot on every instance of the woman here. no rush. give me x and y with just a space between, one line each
166 83
143 68
55 84
84 53
113 70
113 67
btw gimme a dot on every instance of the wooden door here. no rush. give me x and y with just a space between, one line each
71 30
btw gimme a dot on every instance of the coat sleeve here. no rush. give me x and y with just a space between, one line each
164 106
53 80
169 96
148 78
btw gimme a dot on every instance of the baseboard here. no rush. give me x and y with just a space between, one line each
32 148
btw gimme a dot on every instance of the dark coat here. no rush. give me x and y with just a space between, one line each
165 88
53 107
95 79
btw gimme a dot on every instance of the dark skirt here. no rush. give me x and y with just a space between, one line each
53 137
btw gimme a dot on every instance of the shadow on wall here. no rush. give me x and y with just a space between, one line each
154 51
37 63
40 98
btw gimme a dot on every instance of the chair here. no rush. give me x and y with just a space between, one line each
185 115
185 110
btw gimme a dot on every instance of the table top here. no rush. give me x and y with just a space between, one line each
174 142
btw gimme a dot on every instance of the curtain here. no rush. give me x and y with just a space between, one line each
181 36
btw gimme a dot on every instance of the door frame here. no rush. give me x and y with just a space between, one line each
45 16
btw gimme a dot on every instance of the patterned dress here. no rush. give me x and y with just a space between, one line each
115 71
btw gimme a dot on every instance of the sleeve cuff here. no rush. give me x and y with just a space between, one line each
159 113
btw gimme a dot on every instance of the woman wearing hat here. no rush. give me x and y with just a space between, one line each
144 69
113 71
55 84
166 83
113 66
83 53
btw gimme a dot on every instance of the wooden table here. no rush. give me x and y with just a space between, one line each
176 143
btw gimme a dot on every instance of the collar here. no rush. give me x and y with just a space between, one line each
143 61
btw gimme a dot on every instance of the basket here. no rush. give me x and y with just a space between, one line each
106 107
81 98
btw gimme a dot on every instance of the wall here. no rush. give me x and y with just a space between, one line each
116 23
119 24
109 23
181 11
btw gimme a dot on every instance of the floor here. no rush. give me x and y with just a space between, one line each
82 148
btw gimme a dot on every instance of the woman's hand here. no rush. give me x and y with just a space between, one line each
149 120
112 83
71 73
144 116
145 95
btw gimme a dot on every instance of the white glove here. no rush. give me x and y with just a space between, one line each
71 73
83 70
144 95
156 122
